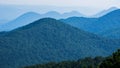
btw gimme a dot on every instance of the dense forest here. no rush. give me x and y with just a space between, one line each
58 38
112 61
49 40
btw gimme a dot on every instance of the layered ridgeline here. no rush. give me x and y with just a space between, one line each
57 15
30 17
100 25
49 40
22 20
104 12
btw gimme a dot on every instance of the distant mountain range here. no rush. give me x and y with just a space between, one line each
50 40
34 38
3 21
30 17
104 12
107 22
98 26
24 19
11 12
27 18
56 15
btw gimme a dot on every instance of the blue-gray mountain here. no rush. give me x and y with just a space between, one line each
48 40
30 17
3 21
23 20
56 15
112 33
104 12
10 12
100 25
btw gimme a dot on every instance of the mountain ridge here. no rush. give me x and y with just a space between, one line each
96 25
48 40
22 20
104 12
30 17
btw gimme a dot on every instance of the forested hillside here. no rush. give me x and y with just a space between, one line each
112 61
87 62
48 40
98 26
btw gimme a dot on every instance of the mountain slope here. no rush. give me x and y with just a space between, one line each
96 25
20 21
113 33
80 22
56 15
109 21
104 12
52 14
71 14
50 40
3 21
30 17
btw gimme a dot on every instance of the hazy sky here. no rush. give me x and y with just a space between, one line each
85 6
85 3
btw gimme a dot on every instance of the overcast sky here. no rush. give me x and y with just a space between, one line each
92 5
88 3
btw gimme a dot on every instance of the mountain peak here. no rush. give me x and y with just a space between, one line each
22 20
48 19
39 22
73 13
31 13
52 12
113 8
105 12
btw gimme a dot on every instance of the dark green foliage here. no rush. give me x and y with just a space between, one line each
87 62
112 61
49 40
